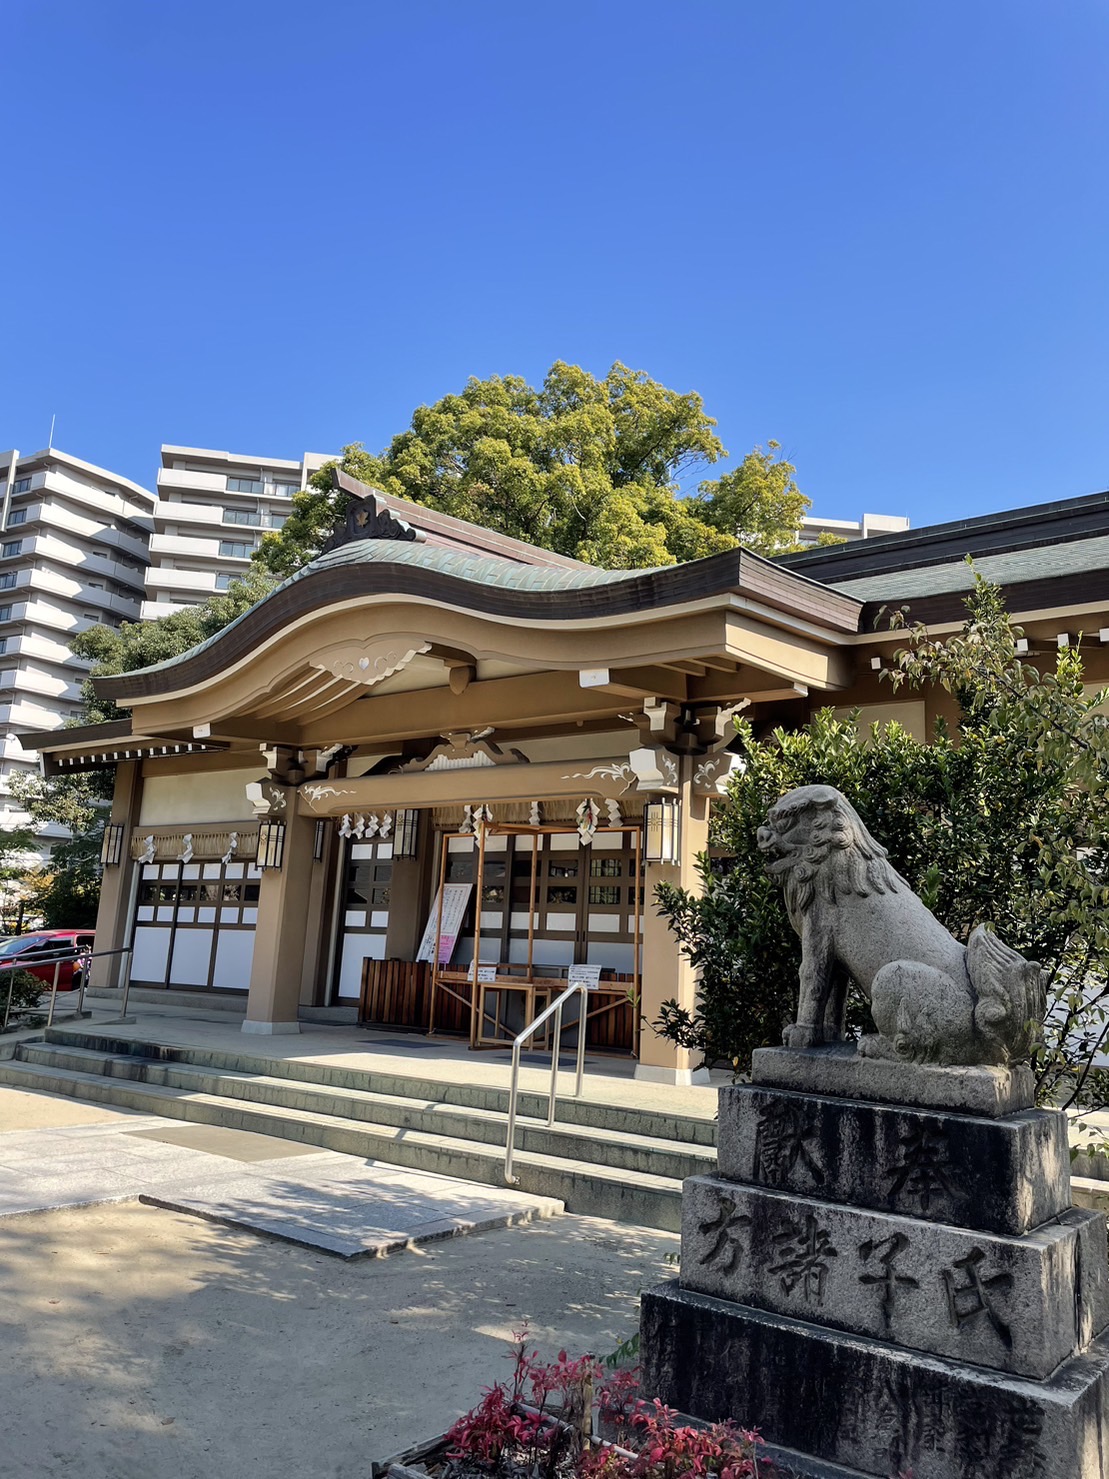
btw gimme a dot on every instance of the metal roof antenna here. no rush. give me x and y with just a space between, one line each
50 440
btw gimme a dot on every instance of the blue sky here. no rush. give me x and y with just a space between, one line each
875 232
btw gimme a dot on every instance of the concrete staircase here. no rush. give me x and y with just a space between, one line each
602 1160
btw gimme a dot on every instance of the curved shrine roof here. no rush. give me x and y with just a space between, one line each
488 585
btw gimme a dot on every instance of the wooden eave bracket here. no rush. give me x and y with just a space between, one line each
687 729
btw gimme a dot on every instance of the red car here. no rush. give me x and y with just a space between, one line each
36 953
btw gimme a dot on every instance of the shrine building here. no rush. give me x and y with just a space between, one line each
439 772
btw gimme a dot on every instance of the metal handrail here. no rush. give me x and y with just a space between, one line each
555 1010
98 955
57 960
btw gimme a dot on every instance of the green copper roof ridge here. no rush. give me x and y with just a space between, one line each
475 569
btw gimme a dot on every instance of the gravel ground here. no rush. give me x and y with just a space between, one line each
137 1343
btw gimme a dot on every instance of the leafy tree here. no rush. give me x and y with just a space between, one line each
18 855
66 891
590 468
1003 819
757 504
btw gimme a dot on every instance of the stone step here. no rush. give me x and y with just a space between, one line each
211 1003
587 1144
625 1119
637 1197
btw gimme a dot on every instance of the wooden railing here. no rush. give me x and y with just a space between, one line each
397 993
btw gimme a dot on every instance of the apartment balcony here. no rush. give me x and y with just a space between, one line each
202 482
99 531
11 749
23 680
190 547
123 502
201 583
23 713
51 512
216 482
32 644
208 514
56 589
48 614
124 554
65 621
211 516
86 563
184 544
37 482
154 610
126 544
89 561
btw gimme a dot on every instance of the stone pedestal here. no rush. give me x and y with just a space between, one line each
887 1288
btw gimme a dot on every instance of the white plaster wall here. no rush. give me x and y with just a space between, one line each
209 796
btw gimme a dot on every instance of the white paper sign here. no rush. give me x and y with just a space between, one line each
584 975
486 973
456 896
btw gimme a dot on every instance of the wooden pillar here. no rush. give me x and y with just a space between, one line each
667 973
279 938
113 916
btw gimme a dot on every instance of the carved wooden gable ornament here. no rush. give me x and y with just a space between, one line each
466 750
372 660
367 517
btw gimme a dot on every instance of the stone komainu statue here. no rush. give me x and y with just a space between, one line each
933 1000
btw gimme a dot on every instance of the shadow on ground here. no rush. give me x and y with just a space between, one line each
142 1344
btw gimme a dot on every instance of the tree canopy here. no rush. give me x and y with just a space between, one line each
66 891
594 469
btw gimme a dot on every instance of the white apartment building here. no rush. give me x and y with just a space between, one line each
211 513
870 524
73 555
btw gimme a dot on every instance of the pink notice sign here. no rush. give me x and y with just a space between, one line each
456 897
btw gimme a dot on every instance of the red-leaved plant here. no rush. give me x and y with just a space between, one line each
539 1426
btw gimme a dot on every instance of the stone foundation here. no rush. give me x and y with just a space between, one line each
886 1288
873 1408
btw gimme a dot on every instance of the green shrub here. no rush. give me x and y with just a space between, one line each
25 991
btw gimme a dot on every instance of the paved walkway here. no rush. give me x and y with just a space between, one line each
61 1153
